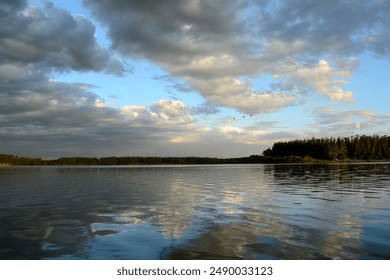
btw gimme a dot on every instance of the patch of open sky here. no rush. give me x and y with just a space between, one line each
371 84
138 88
291 119
263 83
71 5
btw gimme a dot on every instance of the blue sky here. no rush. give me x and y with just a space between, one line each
189 78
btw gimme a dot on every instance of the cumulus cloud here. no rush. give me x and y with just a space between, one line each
319 77
212 45
198 41
164 113
234 93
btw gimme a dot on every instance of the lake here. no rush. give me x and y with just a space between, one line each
308 211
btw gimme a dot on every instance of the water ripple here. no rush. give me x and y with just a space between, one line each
335 211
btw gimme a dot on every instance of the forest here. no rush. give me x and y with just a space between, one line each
354 148
359 147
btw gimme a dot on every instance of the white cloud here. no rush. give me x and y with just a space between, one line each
329 121
164 113
323 79
234 93
172 111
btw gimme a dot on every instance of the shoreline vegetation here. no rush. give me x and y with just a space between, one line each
359 148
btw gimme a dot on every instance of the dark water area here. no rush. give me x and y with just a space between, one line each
313 211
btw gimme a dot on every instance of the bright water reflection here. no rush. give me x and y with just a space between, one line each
339 211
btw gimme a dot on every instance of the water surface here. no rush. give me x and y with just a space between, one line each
333 211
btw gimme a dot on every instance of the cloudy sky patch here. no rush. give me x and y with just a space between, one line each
192 77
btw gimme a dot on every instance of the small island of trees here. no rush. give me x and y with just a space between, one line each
344 149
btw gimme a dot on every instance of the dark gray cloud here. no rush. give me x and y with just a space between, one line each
326 27
169 30
51 39
10 7
39 116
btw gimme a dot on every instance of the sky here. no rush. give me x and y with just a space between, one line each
191 77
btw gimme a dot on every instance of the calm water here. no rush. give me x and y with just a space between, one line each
196 212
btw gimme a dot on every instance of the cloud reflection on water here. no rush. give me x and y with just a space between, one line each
195 212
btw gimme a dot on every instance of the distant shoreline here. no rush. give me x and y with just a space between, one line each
353 149
155 161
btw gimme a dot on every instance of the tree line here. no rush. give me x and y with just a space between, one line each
359 147
6 159
19 160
